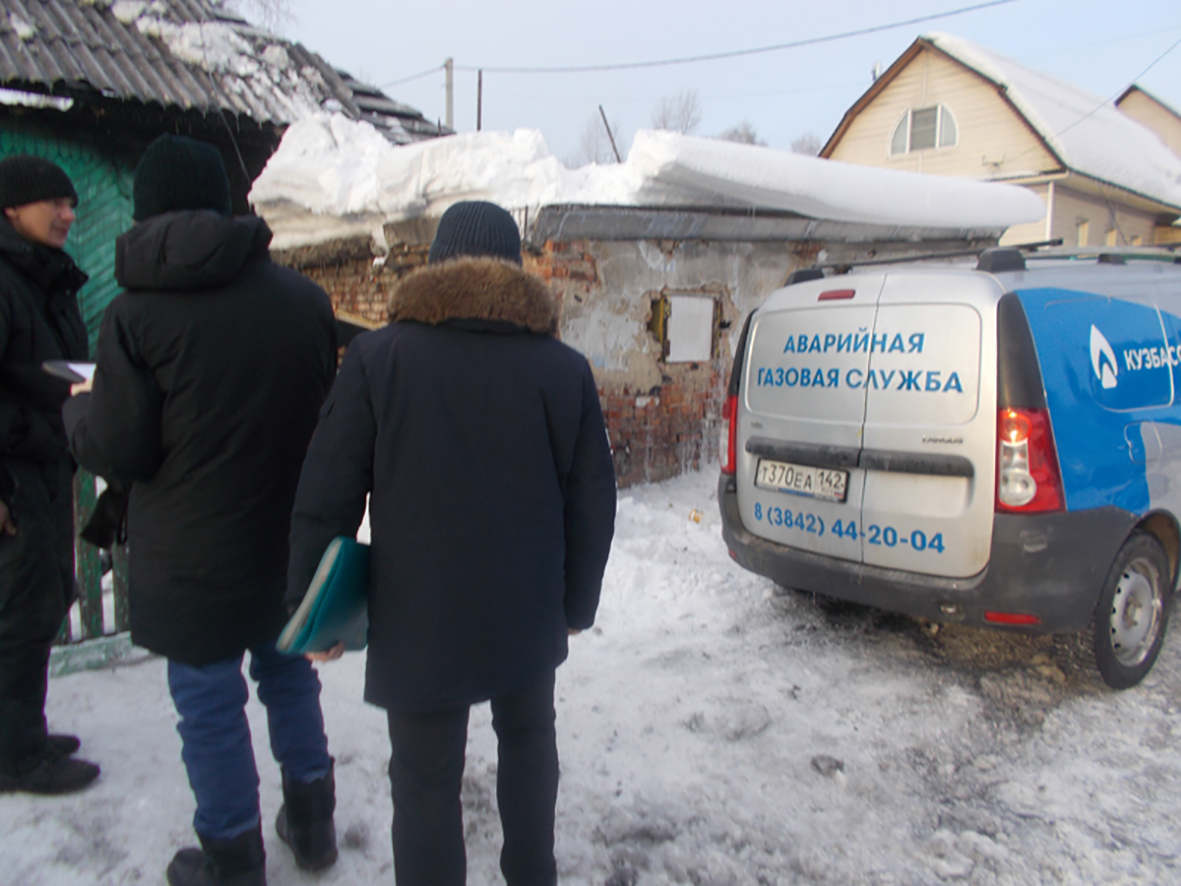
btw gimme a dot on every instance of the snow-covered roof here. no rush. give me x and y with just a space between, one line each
1090 135
339 168
187 54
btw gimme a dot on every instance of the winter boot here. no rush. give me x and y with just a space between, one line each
305 821
239 861
49 773
62 745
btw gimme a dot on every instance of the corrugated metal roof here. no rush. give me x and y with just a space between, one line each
184 54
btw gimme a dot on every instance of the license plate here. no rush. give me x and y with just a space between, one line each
822 483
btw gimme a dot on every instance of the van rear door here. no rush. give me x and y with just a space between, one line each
929 439
801 415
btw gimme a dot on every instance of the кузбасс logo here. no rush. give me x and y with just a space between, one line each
1103 359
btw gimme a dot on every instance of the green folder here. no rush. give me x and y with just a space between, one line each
336 607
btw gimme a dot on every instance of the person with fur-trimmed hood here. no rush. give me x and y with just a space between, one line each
479 440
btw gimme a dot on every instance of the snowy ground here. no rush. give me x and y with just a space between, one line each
713 730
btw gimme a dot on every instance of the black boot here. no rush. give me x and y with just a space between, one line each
62 745
48 774
240 861
305 821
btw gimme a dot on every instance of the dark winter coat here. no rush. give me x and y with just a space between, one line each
212 367
492 506
39 320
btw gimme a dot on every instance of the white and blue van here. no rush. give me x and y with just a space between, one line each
994 445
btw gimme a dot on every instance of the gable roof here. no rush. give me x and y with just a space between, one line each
1088 135
185 54
1135 87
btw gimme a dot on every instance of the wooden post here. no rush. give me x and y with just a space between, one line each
120 567
87 565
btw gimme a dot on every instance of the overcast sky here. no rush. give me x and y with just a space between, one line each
1098 45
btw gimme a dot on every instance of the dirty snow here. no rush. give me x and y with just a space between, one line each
713 729
336 167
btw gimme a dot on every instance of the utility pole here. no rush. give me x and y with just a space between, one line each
479 99
449 65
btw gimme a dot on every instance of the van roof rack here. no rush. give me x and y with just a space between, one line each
1113 255
843 267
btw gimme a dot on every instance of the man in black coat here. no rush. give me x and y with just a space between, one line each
212 366
479 440
39 320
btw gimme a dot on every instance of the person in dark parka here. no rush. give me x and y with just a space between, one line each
212 366
479 440
39 320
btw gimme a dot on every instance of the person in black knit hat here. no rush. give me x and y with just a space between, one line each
39 320
211 369
478 439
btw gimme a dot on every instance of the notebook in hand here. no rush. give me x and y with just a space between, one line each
73 371
336 607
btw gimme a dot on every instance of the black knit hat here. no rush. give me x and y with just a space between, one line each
177 172
27 179
476 227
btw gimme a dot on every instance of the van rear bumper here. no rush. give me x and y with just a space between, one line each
1051 566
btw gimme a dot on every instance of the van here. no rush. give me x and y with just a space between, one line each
995 445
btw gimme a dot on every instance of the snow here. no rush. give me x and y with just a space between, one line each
712 729
336 167
1089 134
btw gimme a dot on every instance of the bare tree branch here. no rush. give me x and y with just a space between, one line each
594 145
271 14
679 113
806 144
744 133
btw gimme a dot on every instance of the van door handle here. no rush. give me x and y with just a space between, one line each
915 463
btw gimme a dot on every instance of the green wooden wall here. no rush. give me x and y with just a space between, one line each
104 212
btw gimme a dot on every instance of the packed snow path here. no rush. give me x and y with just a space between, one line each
713 730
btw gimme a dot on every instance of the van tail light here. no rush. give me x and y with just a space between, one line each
727 452
1028 479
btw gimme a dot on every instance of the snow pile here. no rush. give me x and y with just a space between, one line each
333 166
1090 135
712 729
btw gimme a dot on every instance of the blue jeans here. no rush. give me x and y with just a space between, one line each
216 736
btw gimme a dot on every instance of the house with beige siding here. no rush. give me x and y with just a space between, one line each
1106 174
1140 104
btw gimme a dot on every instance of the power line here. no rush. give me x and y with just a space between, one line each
1115 95
417 76
811 41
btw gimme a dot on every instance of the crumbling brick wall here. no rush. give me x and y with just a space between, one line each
662 418
358 281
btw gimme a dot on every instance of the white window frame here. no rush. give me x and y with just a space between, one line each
947 131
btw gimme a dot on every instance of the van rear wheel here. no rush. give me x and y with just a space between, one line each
1130 618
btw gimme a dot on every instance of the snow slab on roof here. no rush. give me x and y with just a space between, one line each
338 168
1089 134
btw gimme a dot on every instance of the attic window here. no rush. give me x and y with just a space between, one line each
921 129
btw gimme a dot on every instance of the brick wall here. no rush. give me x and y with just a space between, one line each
357 281
657 431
